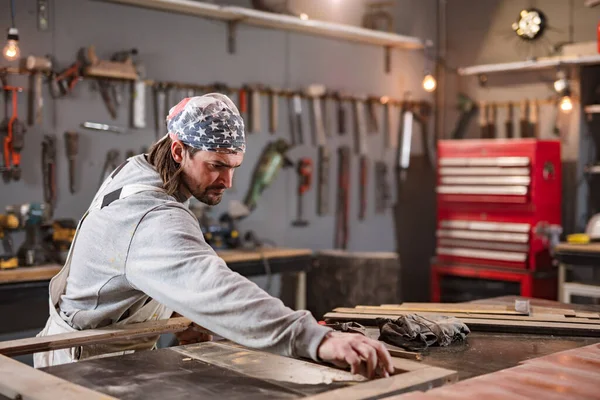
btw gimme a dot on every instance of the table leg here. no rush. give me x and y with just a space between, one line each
301 291
561 281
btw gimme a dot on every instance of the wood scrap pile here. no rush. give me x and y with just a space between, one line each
483 317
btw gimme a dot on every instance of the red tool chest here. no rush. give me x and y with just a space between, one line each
492 196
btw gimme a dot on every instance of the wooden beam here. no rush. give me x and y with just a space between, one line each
29 274
92 336
20 381
490 325
539 317
449 307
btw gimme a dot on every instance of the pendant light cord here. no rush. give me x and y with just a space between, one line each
12 12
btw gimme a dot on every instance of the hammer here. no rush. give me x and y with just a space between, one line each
36 65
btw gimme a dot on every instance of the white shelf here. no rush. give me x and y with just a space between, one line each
592 109
540 63
279 21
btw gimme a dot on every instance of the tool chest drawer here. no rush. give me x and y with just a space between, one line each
497 172
494 198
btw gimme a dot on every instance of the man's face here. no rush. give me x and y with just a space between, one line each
207 174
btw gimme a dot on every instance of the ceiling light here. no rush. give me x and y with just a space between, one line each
11 51
566 104
429 83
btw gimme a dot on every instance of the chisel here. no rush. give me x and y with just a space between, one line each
297 117
254 113
273 110
315 93
534 119
491 115
341 113
524 123
483 120
159 110
373 124
362 151
510 133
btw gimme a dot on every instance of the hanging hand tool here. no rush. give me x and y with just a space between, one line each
421 113
403 158
72 147
361 149
524 122
305 170
343 199
341 113
510 132
108 97
49 171
103 127
491 121
315 93
273 110
110 164
138 99
272 159
327 114
63 84
119 67
243 106
159 109
254 113
296 119
382 187
13 131
372 124
36 66
534 119
468 109
388 122
483 119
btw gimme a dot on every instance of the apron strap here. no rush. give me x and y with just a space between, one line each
59 282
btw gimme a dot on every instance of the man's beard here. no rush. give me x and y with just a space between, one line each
208 195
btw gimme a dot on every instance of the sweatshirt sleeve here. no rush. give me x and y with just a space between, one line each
170 261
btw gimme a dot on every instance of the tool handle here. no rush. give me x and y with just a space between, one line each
363 188
305 170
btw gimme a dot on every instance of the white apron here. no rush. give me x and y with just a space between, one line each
56 325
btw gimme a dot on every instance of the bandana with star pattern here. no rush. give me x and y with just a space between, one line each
210 122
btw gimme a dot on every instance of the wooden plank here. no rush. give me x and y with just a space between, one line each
427 377
20 381
29 274
540 317
92 336
590 315
578 248
449 307
489 325
231 256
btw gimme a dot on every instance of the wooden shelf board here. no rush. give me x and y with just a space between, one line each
531 65
279 21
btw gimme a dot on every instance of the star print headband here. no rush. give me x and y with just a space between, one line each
210 122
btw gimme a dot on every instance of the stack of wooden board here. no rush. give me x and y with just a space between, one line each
571 374
483 317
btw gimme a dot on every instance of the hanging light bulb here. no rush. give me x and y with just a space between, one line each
566 104
11 51
429 83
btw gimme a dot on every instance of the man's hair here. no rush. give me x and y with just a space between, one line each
169 170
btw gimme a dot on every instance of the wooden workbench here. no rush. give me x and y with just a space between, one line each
572 255
231 257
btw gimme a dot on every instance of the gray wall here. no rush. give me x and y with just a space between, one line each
189 49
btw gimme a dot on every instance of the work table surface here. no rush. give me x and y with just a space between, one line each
232 257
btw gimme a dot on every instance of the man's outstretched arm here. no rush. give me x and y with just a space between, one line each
170 261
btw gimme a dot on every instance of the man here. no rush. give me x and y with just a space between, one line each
139 255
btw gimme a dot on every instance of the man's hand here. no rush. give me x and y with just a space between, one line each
193 334
355 350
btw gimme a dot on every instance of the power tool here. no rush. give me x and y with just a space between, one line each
60 239
8 258
33 216
271 161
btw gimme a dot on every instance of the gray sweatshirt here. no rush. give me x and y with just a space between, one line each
149 245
